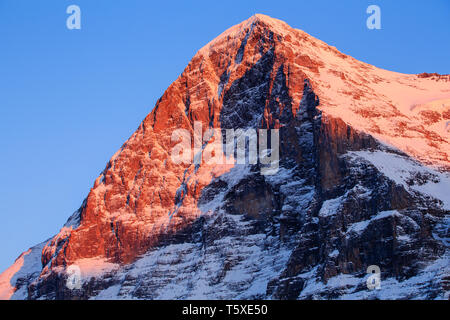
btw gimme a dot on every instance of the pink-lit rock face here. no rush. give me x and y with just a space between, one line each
135 199
142 197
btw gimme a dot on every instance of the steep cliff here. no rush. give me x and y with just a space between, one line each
362 179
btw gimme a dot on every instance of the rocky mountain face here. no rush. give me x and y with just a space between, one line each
362 180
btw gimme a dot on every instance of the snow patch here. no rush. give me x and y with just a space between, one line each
403 170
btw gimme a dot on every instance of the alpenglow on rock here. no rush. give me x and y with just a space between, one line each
363 179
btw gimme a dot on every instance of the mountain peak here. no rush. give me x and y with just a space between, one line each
269 21
160 228
240 30
379 102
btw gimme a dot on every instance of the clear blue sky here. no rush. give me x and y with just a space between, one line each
70 98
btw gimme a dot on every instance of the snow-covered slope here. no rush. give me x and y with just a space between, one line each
362 180
15 280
